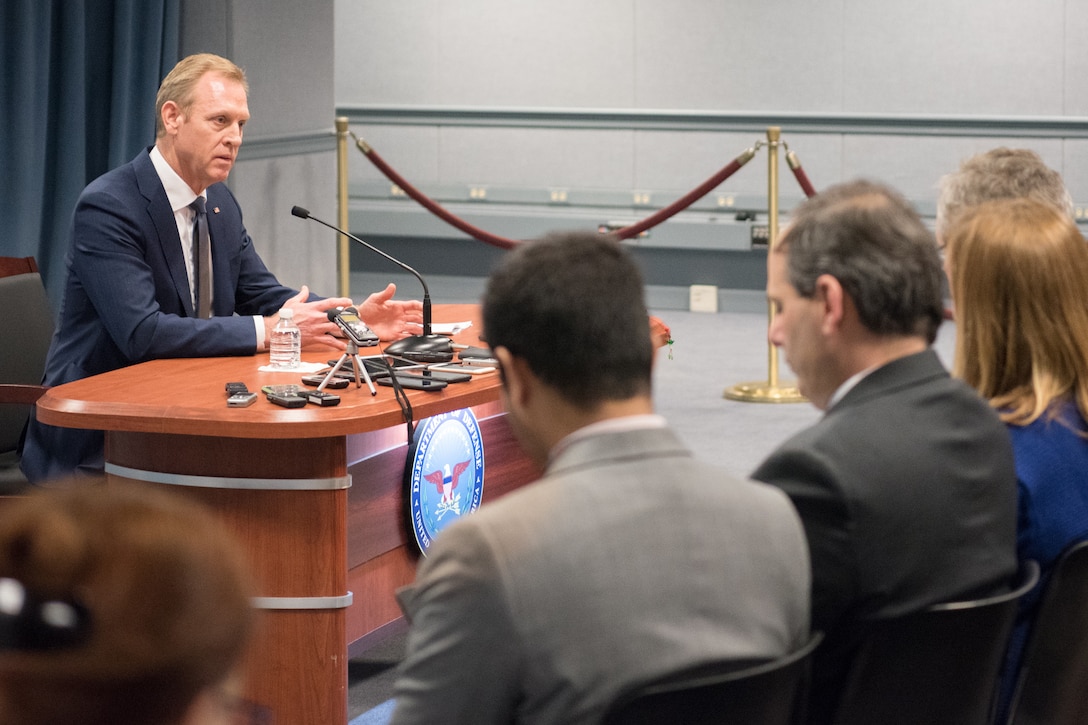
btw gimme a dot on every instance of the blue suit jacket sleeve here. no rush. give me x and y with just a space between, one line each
127 298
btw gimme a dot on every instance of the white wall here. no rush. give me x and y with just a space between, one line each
286 49
957 58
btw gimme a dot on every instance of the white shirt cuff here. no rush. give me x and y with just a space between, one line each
258 325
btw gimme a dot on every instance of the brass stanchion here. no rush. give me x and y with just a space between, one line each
343 256
768 391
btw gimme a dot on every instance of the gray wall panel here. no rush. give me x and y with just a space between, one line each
388 52
206 27
486 52
285 48
297 251
739 55
558 53
411 150
1075 76
678 160
954 56
540 157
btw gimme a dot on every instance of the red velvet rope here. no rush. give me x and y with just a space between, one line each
625 233
430 204
688 199
800 175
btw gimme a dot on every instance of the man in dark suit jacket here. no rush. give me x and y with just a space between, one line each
906 486
131 290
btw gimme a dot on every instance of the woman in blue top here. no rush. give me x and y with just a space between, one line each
1018 271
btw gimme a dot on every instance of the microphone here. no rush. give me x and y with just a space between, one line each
420 348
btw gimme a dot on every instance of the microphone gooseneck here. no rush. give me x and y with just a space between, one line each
427 347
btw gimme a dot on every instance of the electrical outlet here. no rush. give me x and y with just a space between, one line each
703 298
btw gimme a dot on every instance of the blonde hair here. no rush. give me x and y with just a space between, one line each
179 85
1019 279
166 589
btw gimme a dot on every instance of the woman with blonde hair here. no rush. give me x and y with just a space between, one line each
1018 271
120 605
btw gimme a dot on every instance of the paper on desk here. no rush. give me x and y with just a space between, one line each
449 328
303 367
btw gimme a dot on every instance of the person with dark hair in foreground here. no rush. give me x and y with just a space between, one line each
120 605
628 559
906 485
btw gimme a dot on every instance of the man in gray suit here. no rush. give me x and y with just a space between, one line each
628 559
906 485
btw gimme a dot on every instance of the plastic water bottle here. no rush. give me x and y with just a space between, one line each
285 347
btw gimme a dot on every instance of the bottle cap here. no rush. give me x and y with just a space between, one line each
286 313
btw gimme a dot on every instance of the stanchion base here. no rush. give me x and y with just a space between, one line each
763 392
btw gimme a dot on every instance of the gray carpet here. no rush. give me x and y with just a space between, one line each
711 352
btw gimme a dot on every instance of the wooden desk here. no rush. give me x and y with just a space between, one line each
315 495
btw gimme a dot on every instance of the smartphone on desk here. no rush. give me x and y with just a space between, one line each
470 368
450 375
414 382
478 356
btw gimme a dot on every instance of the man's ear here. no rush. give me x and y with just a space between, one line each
833 300
518 379
171 115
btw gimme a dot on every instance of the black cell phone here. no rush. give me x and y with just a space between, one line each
238 396
478 356
450 375
414 383
468 367
323 399
335 383
287 401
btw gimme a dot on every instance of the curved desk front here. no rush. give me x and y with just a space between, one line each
314 494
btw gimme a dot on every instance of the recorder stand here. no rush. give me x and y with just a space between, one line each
352 352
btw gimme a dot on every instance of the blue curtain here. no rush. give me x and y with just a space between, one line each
77 98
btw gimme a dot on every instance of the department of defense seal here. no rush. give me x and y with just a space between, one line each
447 474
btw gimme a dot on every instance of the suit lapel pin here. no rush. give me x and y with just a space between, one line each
215 210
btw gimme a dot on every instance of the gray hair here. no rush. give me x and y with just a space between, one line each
1000 173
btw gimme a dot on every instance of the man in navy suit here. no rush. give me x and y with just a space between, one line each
134 263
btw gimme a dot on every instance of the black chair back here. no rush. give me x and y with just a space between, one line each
24 337
939 665
767 693
1053 681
